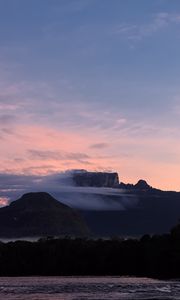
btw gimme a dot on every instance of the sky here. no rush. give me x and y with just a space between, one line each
90 84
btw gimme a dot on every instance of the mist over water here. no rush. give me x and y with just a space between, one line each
62 187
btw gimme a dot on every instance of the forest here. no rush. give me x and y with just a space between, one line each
156 256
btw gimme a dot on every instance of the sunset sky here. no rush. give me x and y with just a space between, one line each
91 84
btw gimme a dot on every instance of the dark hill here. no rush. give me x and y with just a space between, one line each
39 214
155 212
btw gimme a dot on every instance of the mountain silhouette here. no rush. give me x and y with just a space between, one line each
39 214
95 179
154 213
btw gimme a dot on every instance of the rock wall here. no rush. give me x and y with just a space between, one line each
96 179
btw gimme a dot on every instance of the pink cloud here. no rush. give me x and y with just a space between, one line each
4 201
43 150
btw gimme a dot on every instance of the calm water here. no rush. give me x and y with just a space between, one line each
88 288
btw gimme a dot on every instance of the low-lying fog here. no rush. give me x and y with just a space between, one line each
62 187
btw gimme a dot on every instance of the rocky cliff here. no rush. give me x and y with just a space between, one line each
140 185
95 179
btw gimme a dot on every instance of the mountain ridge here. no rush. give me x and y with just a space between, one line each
39 214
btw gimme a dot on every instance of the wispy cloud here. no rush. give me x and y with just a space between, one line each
159 22
27 102
57 155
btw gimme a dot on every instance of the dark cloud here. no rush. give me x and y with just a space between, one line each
8 131
43 154
47 168
7 180
7 118
56 155
18 159
99 146
76 156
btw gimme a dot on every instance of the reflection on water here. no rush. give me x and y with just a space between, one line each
87 288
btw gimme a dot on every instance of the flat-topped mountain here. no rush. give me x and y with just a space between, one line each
39 214
95 179
105 179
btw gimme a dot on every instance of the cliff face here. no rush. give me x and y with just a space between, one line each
39 214
96 179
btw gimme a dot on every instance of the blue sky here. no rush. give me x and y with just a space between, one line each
123 52
101 72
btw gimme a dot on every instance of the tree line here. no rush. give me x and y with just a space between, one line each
156 256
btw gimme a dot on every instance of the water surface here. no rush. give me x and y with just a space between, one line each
87 288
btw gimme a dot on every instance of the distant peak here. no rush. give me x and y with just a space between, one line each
142 184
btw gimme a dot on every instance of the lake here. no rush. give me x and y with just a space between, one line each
87 288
